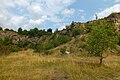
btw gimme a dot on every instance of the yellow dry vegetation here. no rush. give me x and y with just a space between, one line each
26 65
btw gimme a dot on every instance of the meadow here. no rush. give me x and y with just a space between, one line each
26 65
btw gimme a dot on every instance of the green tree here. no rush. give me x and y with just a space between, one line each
19 30
49 30
25 32
101 39
6 29
56 31
1 28
33 32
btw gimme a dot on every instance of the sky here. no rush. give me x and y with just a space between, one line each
55 14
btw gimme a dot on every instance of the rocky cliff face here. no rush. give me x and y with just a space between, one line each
115 17
16 38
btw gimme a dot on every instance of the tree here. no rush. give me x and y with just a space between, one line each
25 32
1 28
49 30
96 16
72 24
6 29
12 30
101 39
69 29
33 32
56 31
19 30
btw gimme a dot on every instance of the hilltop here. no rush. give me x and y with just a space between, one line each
72 39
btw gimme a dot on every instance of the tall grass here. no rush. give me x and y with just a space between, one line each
26 65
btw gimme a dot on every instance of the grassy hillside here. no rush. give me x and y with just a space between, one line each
26 65
74 37
63 55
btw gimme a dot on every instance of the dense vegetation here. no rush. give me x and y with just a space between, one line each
94 37
49 40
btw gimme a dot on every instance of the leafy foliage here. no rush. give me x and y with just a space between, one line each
6 29
42 47
102 38
5 41
60 40
1 28
49 30
14 48
19 30
76 31
22 44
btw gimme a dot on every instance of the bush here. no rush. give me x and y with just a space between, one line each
32 46
6 41
76 31
49 46
47 52
60 40
63 50
4 50
43 47
14 48
22 44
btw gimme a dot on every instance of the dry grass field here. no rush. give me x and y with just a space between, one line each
27 66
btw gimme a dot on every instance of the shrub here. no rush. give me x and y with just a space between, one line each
6 41
63 50
42 47
47 52
76 31
22 44
60 40
49 46
32 46
4 50
14 48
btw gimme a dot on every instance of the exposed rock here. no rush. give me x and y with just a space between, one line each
16 38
